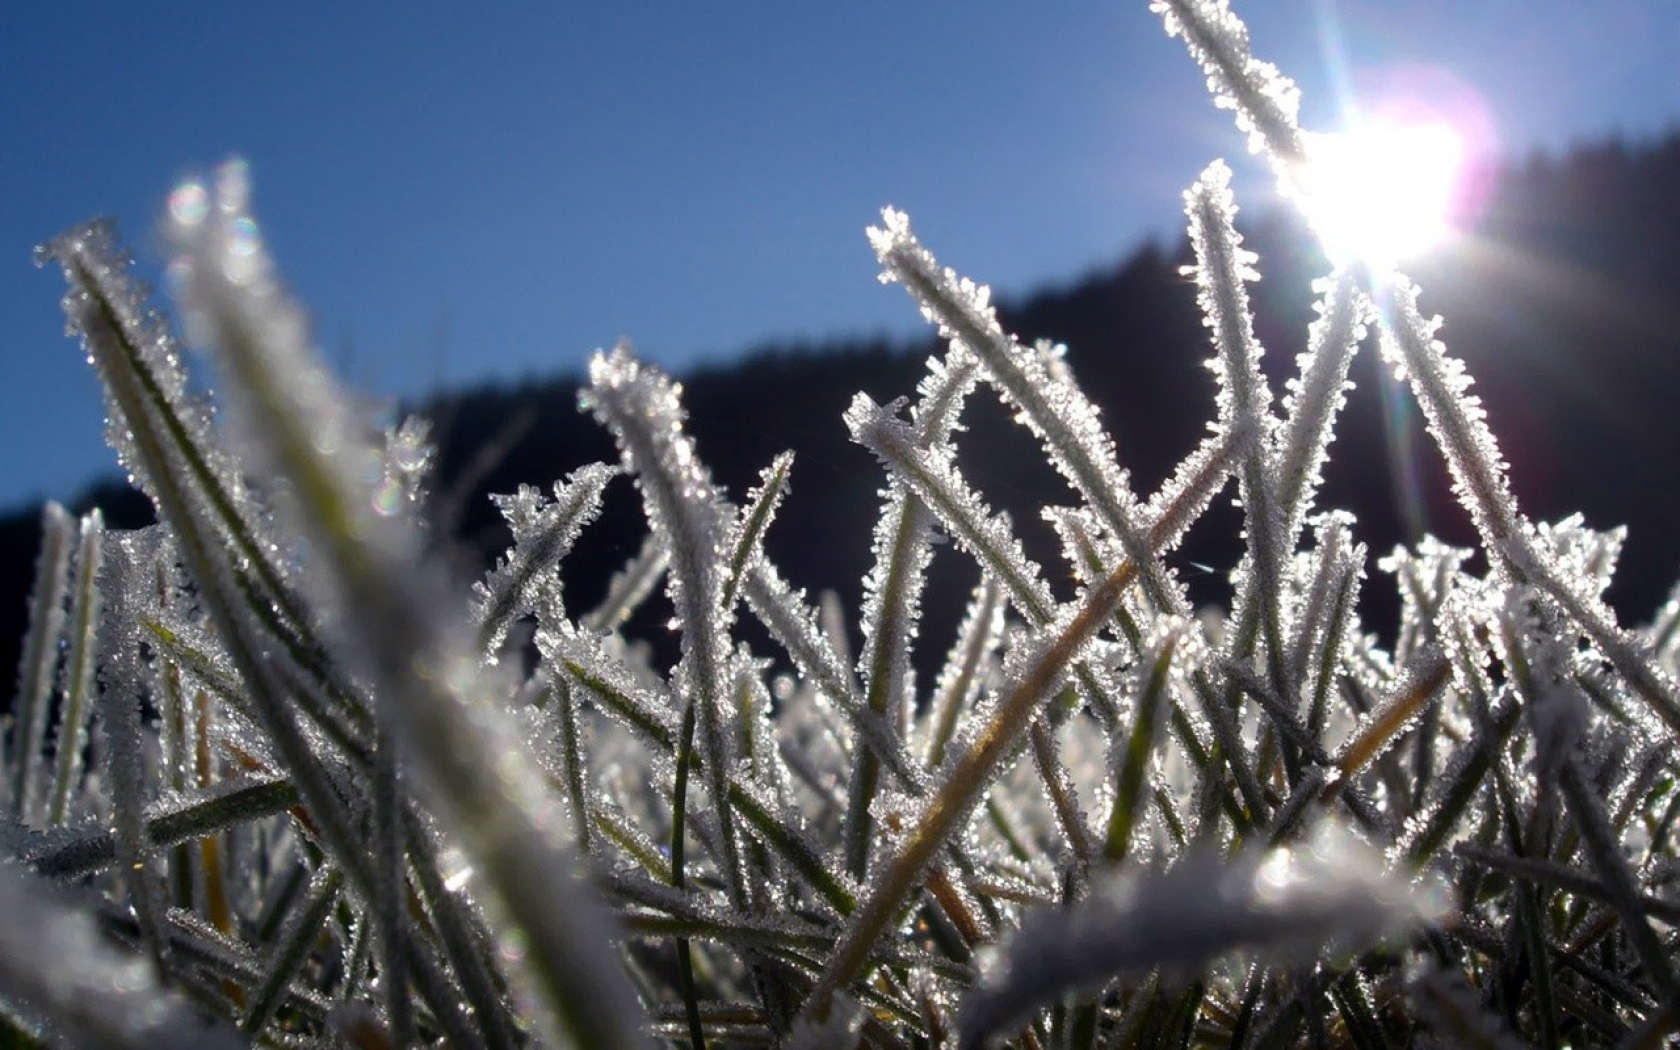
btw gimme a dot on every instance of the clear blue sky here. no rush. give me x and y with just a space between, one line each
493 190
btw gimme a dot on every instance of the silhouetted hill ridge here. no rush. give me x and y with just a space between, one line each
1563 306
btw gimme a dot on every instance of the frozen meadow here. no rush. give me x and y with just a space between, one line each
272 778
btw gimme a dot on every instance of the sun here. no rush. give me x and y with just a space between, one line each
1383 193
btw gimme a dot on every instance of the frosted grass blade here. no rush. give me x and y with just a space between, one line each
1456 419
526 580
69 855
892 595
1223 267
1036 382
1327 896
296 941
643 410
1266 103
390 608
745 540
1317 395
125 584
1155 687
962 679
39 661
81 651
968 774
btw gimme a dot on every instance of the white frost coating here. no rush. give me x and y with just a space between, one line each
40 660
970 668
1324 897
59 969
931 473
642 407
1223 266
744 538
645 708
903 546
1035 382
126 581
1557 712
526 580
1427 576
164 435
79 685
98 273
1455 416
1582 559
892 592
1266 102
1316 395
394 623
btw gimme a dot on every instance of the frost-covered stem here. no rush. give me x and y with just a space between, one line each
979 635
228 805
893 590
390 905
1266 103
483 781
1139 746
629 587
1231 750
1458 424
1338 620
642 409
167 440
793 625
950 805
1456 419
679 853
972 771
1223 266
461 934
79 660
124 582
292 949
1059 790
1380 727
903 539
543 536
1631 656
1050 404
746 539
121 367
1605 849
40 657
1536 659
1316 398
933 477
574 765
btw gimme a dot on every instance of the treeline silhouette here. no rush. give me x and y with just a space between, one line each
1565 305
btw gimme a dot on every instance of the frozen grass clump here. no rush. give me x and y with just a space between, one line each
272 778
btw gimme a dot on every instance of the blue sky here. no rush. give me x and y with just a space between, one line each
461 191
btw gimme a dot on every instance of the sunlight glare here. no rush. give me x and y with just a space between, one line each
1383 193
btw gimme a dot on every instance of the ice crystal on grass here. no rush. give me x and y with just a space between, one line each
321 809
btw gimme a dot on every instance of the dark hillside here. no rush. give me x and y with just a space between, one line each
1566 307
